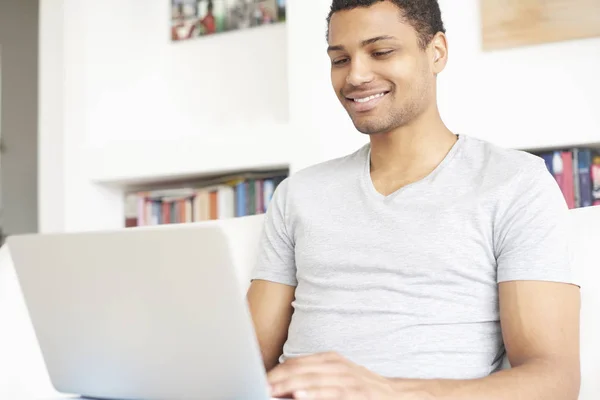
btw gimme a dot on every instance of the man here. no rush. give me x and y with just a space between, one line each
411 268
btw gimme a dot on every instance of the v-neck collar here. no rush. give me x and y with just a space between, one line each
372 191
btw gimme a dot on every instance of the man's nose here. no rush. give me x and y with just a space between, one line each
359 73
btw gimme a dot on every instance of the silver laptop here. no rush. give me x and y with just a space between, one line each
153 313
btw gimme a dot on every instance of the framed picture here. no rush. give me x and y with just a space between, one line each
194 18
512 23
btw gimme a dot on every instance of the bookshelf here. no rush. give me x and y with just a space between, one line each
192 179
576 170
213 197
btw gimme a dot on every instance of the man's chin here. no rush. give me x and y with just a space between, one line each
368 124
371 128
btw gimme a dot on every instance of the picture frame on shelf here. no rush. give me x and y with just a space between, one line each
197 18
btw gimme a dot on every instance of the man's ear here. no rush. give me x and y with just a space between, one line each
439 46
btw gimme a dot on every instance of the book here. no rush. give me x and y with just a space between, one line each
584 172
595 179
577 173
217 198
576 178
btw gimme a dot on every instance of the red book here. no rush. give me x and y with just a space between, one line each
213 205
166 212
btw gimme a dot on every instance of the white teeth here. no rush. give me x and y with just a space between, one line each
369 98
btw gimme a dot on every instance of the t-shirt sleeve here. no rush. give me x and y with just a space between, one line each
276 261
531 233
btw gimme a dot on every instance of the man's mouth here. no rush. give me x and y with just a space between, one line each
367 102
366 99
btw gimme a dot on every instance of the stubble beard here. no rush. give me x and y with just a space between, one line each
397 115
390 120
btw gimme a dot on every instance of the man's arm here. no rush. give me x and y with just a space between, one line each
540 325
274 280
271 308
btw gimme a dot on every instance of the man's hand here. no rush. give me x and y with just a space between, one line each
329 376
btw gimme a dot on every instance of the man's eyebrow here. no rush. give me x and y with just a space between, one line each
335 48
376 39
364 43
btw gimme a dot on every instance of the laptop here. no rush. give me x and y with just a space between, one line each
148 313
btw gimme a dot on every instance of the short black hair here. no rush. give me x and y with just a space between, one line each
425 16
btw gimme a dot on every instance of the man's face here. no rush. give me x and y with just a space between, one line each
379 72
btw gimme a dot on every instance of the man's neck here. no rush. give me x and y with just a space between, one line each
409 153
411 149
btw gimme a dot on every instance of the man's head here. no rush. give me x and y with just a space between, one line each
385 56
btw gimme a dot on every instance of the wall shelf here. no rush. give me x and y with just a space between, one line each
127 164
561 146
539 142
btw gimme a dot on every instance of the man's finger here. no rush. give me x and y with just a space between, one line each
287 370
310 381
324 393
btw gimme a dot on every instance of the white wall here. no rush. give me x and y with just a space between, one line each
140 85
51 170
526 97
68 200
134 104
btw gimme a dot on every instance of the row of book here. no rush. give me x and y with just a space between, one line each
577 172
230 197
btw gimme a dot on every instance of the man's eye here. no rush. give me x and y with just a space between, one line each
340 61
382 53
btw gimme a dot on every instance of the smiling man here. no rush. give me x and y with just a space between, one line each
411 268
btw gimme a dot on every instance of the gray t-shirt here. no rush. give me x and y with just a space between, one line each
407 284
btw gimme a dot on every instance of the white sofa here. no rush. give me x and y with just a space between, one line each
22 372
585 235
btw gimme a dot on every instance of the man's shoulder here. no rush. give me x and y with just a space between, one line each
519 180
330 172
503 157
505 164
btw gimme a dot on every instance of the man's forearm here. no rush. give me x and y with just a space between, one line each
535 380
